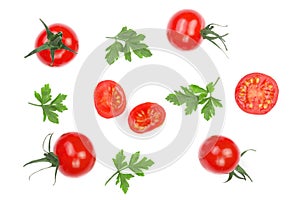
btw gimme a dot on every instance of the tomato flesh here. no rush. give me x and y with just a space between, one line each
75 153
146 117
219 154
61 56
184 29
109 99
256 93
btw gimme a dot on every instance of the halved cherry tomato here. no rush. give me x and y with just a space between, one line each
256 93
146 117
109 99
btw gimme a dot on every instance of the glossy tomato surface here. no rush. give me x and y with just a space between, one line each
109 99
61 56
146 117
219 154
75 153
256 93
184 29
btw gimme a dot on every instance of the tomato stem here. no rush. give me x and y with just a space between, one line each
49 157
210 35
239 170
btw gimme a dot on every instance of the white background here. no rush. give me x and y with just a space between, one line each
263 38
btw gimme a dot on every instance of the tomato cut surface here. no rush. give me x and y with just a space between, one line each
109 99
184 29
256 93
146 117
219 154
75 153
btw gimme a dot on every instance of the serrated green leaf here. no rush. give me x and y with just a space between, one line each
125 34
113 52
123 180
208 110
194 95
119 161
210 87
216 102
196 89
132 41
38 96
173 99
45 94
55 105
143 164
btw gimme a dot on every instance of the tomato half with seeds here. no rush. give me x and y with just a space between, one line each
256 93
146 117
109 99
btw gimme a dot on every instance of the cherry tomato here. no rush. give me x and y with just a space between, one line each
146 117
75 153
186 30
256 93
109 99
56 46
219 154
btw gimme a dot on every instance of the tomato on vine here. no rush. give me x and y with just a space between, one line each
219 154
73 155
55 46
186 30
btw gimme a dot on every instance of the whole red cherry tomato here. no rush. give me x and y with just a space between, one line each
186 30
73 155
219 154
56 46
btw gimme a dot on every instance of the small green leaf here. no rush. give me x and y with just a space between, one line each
49 109
119 161
173 99
196 89
216 102
45 94
123 180
130 41
210 87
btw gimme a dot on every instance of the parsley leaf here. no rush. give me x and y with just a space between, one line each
135 165
50 108
127 41
194 95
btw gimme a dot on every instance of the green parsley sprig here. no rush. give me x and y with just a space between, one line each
127 41
50 107
135 165
194 95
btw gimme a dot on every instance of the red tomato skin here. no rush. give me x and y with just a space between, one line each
104 102
132 118
184 29
75 153
61 56
273 93
219 155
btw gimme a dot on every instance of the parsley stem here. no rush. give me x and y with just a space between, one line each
112 177
117 172
216 81
34 104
